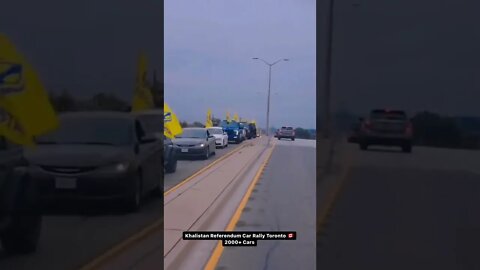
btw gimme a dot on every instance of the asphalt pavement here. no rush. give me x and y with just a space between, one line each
74 234
405 211
283 200
187 167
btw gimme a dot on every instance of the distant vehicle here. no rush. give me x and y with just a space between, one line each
221 137
234 132
20 214
245 130
97 155
386 128
196 142
152 121
286 132
253 130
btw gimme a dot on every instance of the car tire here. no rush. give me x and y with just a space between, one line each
363 146
207 154
293 139
407 148
171 166
22 235
133 200
278 138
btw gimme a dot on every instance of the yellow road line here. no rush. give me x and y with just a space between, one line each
113 252
333 195
203 170
217 252
137 237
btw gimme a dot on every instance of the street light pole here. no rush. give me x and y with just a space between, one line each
269 84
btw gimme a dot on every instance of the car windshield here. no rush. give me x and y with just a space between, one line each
192 133
233 125
215 131
90 130
152 123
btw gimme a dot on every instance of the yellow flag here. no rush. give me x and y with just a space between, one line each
171 124
142 96
236 118
209 122
228 116
25 108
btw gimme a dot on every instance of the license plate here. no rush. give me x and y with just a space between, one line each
65 183
184 150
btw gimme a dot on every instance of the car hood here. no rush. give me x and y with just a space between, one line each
218 136
77 155
188 141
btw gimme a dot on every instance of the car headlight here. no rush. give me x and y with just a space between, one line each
236 132
122 166
202 145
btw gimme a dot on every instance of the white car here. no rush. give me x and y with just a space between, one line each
221 137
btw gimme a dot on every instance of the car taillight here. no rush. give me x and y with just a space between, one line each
409 129
367 125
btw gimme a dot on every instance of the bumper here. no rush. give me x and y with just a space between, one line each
83 187
192 152
385 140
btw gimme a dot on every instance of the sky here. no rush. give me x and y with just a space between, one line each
413 55
209 46
87 46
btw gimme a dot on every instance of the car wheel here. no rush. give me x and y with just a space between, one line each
363 146
278 138
293 139
134 199
172 165
22 236
407 148
207 153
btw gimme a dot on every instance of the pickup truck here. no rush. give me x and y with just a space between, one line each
20 212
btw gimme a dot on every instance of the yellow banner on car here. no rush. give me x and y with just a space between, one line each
142 96
236 118
209 122
25 107
171 125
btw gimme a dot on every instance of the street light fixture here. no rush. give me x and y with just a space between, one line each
269 83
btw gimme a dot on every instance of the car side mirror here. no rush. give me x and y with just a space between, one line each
148 139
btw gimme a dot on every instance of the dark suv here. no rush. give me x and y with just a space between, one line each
286 132
386 128
253 130
20 215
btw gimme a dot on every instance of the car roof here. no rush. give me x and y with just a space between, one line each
97 114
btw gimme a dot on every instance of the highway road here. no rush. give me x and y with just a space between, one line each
283 200
187 167
75 234
405 211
